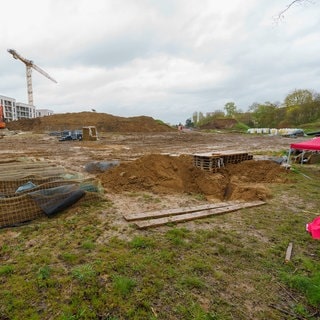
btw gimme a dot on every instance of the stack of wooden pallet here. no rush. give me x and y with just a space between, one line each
235 157
214 161
208 162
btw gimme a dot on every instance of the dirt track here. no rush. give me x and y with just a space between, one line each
123 148
119 146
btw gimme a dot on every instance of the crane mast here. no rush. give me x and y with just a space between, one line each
29 66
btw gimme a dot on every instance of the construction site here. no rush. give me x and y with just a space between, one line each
139 155
160 160
100 203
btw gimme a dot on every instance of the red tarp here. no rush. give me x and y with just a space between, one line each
313 144
314 228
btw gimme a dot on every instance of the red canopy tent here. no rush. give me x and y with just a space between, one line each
308 145
312 144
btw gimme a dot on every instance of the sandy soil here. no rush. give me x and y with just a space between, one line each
129 148
246 182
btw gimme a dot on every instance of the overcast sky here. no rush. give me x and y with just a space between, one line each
160 58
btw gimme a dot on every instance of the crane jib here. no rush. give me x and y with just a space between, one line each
29 64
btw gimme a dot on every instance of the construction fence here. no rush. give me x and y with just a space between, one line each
29 190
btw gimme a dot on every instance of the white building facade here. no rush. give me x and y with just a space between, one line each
43 112
13 110
9 108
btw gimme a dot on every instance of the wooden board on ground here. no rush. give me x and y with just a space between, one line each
176 211
187 216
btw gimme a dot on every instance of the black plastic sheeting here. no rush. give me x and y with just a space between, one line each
100 166
54 200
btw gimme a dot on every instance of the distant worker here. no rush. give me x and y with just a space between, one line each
2 120
180 127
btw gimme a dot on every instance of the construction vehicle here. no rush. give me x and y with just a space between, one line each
2 121
29 66
73 135
89 133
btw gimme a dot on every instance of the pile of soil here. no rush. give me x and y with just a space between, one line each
176 174
102 121
227 123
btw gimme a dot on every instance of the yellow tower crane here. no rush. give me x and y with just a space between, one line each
29 66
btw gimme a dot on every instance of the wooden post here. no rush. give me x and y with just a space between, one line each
289 252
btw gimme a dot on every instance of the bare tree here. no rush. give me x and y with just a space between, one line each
292 3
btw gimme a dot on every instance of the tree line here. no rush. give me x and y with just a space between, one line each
299 107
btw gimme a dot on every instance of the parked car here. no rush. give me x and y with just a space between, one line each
295 133
66 138
71 135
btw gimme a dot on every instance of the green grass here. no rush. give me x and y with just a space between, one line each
6 269
84 273
229 266
123 285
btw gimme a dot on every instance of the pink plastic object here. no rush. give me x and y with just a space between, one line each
314 228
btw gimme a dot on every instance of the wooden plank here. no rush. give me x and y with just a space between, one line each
289 252
176 211
195 215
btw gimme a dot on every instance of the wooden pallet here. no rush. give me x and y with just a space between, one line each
213 162
235 157
157 218
210 163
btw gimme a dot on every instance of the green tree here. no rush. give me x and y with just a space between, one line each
200 117
298 98
230 108
195 117
265 115
302 106
189 123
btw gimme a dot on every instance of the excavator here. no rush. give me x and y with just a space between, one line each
2 122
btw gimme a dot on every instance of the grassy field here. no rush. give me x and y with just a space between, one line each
230 266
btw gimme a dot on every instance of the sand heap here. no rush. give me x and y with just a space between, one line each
168 174
102 121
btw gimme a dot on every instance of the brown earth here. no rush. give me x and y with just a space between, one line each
227 123
170 174
156 172
102 121
158 163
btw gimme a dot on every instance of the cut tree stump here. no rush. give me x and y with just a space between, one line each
157 218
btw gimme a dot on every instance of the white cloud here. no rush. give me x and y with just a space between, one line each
165 59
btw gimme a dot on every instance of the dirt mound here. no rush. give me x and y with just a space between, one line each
220 124
168 174
263 171
102 121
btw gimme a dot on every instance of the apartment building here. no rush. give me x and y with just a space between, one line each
9 108
43 112
25 111
13 110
